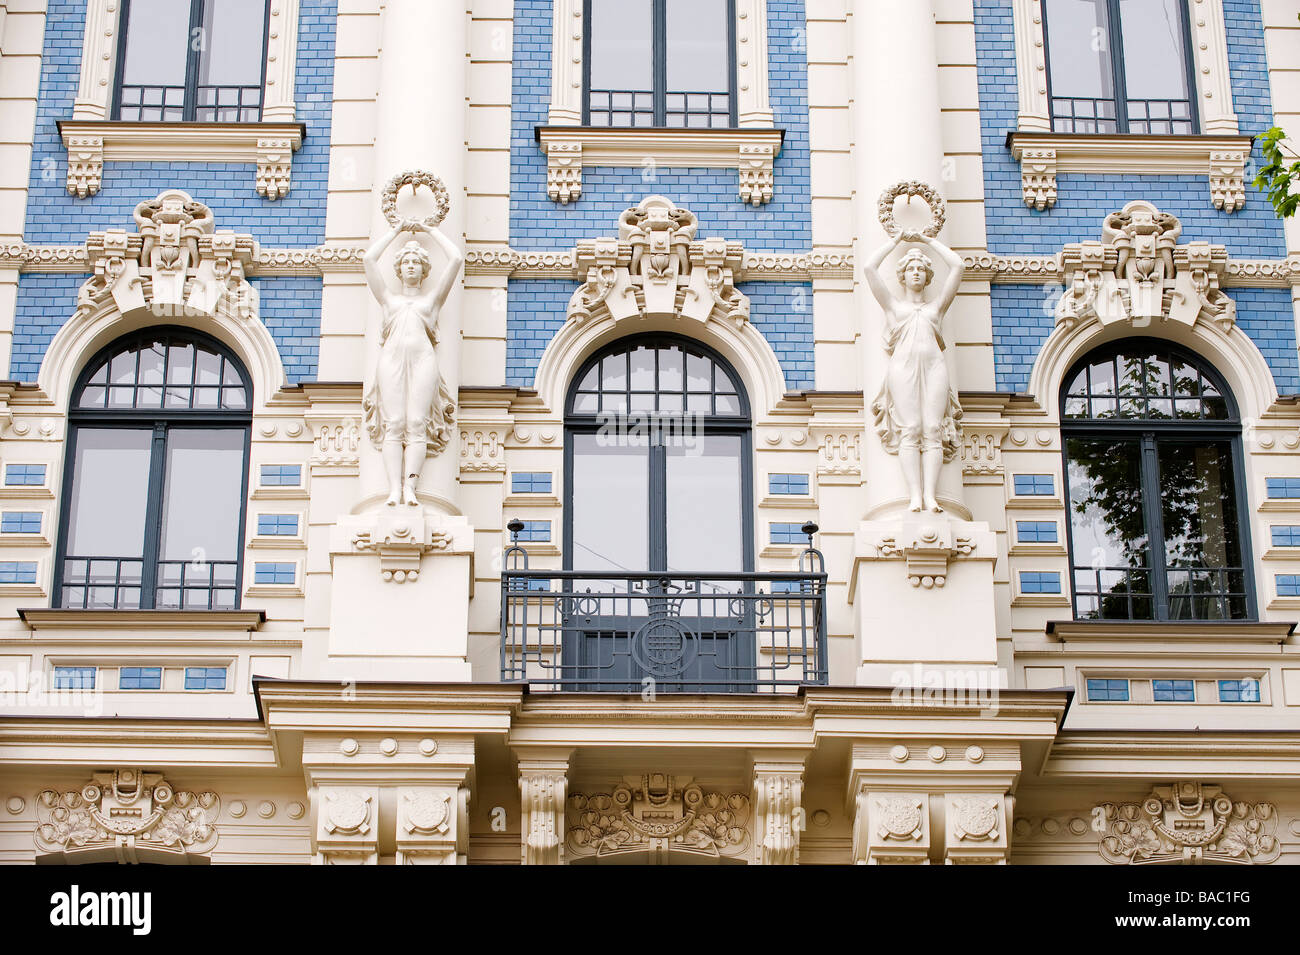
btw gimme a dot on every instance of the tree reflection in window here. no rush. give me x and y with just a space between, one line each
1151 442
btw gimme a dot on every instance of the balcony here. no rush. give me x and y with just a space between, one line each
663 632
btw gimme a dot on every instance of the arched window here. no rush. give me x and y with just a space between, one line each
1154 487
658 461
156 476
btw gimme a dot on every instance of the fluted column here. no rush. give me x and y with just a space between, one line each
897 136
421 124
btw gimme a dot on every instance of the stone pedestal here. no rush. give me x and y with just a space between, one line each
399 600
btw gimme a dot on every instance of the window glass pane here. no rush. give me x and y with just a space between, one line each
232 44
611 495
1109 538
697 47
157 42
1079 48
110 488
1198 505
705 522
620 32
202 494
1155 65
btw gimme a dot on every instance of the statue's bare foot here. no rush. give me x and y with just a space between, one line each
932 505
915 505
409 498
393 499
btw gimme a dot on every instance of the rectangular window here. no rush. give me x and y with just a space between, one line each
139 678
24 475
1283 488
787 484
536 531
1107 691
1034 485
20 522
277 525
1286 535
205 678
269 572
1239 691
74 678
1119 66
668 63
530 482
1036 532
1288 585
1040 582
17 571
281 475
779 533
1173 691
192 60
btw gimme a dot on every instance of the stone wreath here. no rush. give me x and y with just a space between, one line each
415 178
938 209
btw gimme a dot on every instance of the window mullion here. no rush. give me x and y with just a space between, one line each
1155 525
658 504
153 519
659 60
1116 40
192 56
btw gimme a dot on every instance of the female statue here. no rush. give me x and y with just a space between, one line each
916 411
408 407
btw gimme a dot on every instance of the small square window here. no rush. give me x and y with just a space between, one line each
270 572
17 571
1288 585
1239 691
20 522
281 475
787 484
74 678
1173 691
277 525
205 678
1286 535
780 533
530 482
1283 487
25 475
1036 532
139 678
1040 582
1107 691
1034 485
536 531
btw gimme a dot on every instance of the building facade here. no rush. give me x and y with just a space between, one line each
804 431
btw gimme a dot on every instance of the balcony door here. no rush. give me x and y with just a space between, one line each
659 499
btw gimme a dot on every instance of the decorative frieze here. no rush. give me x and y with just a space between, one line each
1188 822
126 815
891 828
482 447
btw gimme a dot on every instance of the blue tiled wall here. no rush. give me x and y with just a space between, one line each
1023 318
782 311
537 307
290 308
298 219
1020 323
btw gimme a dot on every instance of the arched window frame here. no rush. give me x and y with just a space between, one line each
1150 431
713 424
162 421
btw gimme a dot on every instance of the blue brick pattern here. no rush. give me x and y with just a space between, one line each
537 222
298 219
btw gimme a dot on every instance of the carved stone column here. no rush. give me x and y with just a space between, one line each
421 124
543 788
778 812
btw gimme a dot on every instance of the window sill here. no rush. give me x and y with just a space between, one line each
1177 632
92 143
1221 159
57 618
750 151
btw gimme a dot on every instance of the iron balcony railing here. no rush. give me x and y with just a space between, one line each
663 632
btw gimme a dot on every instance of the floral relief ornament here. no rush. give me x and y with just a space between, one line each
1188 822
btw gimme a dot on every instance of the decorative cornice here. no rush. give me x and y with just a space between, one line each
92 143
41 618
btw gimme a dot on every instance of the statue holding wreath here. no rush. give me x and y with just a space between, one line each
916 413
408 407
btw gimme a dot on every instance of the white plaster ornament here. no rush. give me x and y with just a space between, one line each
916 412
408 406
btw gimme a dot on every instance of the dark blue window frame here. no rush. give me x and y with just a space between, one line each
1103 690
1173 691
